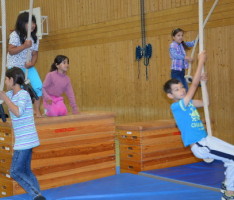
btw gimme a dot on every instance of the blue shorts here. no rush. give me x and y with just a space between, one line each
35 80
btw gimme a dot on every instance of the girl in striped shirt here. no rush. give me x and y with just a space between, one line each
26 138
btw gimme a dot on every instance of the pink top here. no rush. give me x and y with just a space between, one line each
55 84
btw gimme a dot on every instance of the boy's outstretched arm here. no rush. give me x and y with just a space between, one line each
196 78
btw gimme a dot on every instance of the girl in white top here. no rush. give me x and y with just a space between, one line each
17 54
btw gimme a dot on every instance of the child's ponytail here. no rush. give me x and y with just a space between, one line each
185 46
53 67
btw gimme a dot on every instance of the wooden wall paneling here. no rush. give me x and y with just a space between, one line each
124 30
95 11
220 71
78 62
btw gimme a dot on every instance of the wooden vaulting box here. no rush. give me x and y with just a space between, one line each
151 145
74 148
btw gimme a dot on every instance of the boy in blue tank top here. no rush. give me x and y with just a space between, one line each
193 132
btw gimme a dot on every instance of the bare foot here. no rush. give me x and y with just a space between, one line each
37 115
37 111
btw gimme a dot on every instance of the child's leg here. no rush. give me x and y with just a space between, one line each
179 75
17 171
57 108
61 107
36 84
30 174
227 151
51 110
212 147
37 104
229 174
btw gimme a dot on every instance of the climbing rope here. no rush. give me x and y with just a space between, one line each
142 6
3 10
188 77
203 83
26 84
29 37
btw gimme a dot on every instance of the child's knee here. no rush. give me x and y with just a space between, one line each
56 110
14 173
200 152
51 112
62 109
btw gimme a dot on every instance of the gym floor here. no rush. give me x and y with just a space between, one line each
198 181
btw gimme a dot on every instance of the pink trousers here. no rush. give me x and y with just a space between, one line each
57 108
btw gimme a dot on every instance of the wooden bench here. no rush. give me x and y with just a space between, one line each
151 145
74 148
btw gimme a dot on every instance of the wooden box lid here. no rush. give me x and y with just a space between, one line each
151 125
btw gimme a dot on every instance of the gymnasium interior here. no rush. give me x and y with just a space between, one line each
124 143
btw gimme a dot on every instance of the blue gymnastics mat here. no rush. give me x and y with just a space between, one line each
201 174
125 187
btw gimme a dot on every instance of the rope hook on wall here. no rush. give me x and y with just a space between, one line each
146 49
